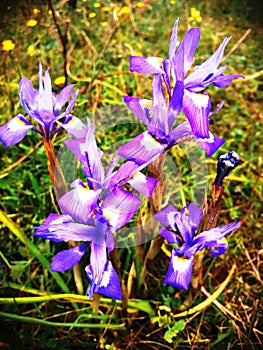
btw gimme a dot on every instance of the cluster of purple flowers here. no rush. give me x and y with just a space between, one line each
95 209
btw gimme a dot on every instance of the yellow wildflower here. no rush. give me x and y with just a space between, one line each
31 23
172 2
104 24
106 9
195 15
60 80
96 4
35 11
49 12
31 50
92 15
139 5
124 11
8 45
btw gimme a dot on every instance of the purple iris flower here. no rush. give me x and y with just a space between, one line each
159 119
195 105
94 210
42 106
179 231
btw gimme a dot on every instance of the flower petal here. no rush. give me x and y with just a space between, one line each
141 107
173 40
14 130
62 228
63 98
179 271
66 259
210 145
197 108
119 207
202 72
109 284
79 202
146 65
142 149
143 184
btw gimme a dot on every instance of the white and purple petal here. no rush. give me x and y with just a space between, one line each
63 98
146 65
143 149
211 144
197 108
62 228
179 271
119 207
143 184
141 107
79 202
14 130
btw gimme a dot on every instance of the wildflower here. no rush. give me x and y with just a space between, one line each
42 106
179 231
92 15
178 64
94 211
226 163
60 80
35 11
140 5
8 45
124 11
31 23
97 4
31 50
195 15
159 120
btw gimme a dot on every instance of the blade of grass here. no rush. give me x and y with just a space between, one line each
60 324
18 232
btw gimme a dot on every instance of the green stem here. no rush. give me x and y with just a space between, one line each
59 324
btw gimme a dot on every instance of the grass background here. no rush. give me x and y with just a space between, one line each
99 42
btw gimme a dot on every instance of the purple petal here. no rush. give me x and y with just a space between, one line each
14 130
75 127
146 65
158 98
224 80
71 102
207 68
210 145
142 108
108 285
212 237
62 228
143 184
170 236
142 149
119 207
195 216
63 98
182 132
189 44
27 95
166 216
80 202
176 103
66 259
179 272
173 40
197 108
125 172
